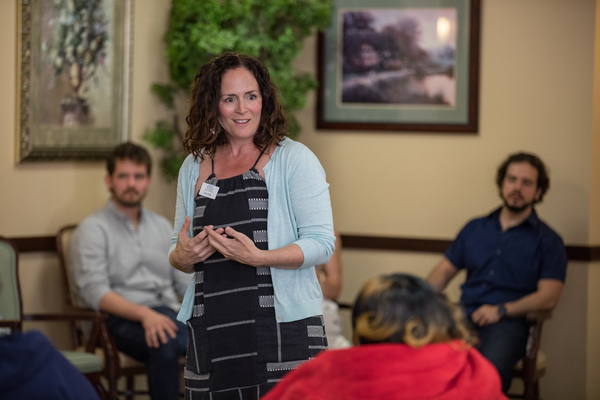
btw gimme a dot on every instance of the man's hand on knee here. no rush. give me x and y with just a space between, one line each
486 315
157 326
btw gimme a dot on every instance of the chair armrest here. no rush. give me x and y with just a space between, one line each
100 335
72 316
536 319
346 306
66 316
13 325
538 316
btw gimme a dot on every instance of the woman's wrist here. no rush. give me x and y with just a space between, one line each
260 258
288 257
173 258
177 263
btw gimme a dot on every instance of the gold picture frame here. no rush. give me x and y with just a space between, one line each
74 77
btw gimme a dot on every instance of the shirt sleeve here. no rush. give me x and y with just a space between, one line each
179 279
183 191
88 263
554 258
456 252
311 206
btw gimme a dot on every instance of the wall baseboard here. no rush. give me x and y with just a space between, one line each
574 253
419 245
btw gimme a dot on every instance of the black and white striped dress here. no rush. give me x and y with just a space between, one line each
236 348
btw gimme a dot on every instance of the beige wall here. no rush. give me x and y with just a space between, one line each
593 328
593 283
537 93
595 149
37 199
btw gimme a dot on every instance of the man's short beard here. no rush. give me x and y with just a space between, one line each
126 204
516 209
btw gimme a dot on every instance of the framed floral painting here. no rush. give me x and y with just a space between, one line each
74 78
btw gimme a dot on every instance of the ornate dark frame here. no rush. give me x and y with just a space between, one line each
472 124
26 150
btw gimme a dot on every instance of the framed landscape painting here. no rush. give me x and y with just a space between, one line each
408 65
74 78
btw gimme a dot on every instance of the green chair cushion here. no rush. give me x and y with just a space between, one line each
9 293
84 362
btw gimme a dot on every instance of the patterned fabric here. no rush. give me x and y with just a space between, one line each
237 350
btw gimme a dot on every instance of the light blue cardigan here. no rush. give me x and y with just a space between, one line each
299 212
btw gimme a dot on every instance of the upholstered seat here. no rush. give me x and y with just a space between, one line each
83 362
539 365
12 317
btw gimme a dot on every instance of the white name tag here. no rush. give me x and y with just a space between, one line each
209 191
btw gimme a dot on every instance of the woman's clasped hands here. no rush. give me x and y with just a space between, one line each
190 251
232 244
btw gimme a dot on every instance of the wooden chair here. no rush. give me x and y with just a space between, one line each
11 310
533 366
117 365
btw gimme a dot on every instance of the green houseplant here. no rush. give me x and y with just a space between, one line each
271 30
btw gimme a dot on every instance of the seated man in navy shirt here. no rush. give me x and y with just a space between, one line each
515 264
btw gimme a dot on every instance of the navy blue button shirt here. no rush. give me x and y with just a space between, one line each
505 266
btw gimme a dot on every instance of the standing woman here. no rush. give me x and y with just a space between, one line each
253 218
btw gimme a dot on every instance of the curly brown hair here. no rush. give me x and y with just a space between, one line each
204 131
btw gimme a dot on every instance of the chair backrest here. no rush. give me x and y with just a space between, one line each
80 330
63 244
10 295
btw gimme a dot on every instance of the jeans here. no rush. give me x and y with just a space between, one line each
504 343
162 363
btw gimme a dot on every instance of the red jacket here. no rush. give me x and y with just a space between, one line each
443 371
